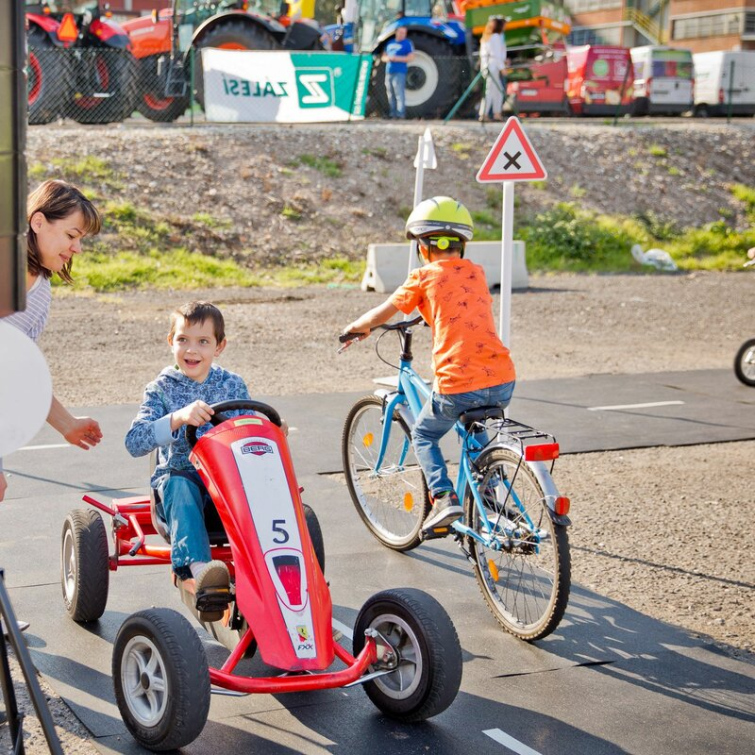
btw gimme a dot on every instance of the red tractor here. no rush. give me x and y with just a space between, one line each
79 65
164 43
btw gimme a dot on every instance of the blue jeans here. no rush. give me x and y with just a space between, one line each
395 84
438 416
183 498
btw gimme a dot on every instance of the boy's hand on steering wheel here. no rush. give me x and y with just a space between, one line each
196 414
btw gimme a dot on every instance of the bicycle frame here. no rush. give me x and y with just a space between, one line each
408 399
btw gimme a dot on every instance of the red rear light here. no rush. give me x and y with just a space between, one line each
288 570
648 84
721 96
542 452
562 505
68 31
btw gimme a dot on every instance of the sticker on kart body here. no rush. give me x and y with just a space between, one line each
268 496
246 421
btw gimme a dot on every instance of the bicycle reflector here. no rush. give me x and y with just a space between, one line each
68 31
541 452
561 505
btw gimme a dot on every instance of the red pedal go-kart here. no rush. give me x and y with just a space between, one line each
405 651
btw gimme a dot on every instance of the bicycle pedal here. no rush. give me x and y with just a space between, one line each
213 600
436 534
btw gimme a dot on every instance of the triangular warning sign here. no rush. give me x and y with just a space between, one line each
512 158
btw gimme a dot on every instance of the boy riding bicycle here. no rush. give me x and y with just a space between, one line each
471 365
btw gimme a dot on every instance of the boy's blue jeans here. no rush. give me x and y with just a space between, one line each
438 416
183 498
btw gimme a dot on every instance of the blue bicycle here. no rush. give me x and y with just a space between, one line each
514 528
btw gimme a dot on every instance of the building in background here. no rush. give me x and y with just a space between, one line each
699 25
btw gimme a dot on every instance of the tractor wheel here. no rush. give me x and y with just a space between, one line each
105 86
49 78
432 81
231 35
152 102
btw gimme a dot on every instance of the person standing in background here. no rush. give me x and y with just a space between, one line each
399 52
492 66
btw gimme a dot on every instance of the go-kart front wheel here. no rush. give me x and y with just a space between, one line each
428 671
84 571
161 678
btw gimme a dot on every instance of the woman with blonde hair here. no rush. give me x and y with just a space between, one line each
492 66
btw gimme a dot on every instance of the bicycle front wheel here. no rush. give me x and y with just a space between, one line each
392 499
523 565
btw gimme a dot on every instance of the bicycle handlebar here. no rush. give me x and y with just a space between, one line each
348 338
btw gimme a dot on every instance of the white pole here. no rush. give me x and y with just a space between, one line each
507 256
419 180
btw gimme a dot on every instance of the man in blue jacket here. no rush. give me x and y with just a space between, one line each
398 53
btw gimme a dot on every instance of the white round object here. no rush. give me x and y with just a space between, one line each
25 389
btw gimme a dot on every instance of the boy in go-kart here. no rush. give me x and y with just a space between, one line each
181 396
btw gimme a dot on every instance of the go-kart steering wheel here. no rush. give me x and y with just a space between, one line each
231 406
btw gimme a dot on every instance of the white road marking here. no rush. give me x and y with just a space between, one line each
343 629
632 406
508 741
43 448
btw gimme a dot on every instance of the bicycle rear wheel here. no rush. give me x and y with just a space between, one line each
392 500
524 570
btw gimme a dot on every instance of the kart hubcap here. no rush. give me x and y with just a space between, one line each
144 680
69 564
404 681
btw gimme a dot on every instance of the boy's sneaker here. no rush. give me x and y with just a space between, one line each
213 591
445 511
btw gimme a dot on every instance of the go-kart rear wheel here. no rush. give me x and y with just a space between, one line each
84 571
161 679
428 674
315 535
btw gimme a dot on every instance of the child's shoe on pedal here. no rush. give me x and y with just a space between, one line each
445 511
213 591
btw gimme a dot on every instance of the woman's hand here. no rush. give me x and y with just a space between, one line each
3 486
84 432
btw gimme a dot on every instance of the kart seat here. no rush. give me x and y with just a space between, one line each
215 529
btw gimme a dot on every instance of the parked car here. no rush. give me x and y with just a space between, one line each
664 80
600 80
725 82
539 85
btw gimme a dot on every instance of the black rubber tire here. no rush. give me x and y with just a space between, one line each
744 369
315 535
49 78
232 33
429 676
104 71
527 591
160 645
151 101
84 571
392 517
432 80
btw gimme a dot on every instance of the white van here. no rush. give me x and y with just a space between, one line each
715 87
664 80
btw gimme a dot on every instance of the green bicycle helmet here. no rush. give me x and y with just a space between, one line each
440 215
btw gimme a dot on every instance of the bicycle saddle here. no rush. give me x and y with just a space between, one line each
481 414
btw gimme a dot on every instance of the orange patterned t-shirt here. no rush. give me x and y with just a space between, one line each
453 298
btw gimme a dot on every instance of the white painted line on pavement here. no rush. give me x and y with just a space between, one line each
43 448
632 406
343 629
507 741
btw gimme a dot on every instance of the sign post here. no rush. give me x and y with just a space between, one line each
512 158
425 158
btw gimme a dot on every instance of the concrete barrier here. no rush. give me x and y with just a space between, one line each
387 265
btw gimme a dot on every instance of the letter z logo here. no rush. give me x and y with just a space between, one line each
315 87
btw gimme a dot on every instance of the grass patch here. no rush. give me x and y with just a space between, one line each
208 221
324 165
290 213
176 268
333 270
657 151
745 194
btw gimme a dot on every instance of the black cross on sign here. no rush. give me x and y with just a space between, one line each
512 160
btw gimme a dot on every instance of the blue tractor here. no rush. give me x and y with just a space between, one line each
442 50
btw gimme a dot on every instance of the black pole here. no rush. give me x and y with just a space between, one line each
621 94
731 88
27 668
13 99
